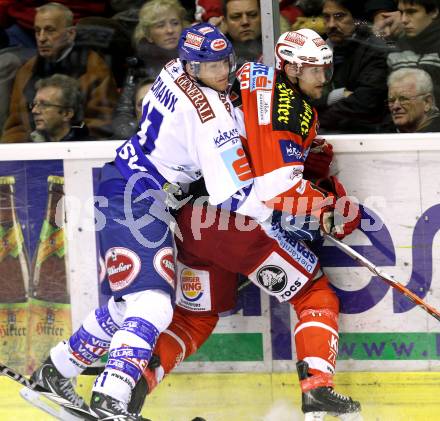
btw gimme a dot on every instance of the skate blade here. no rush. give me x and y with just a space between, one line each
314 416
320 416
36 400
352 416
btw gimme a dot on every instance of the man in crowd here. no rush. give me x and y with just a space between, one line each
411 101
57 110
242 20
420 44
55 36
354 101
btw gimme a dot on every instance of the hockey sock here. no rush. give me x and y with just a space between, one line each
89 343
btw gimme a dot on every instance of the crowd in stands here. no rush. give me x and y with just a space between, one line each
78 70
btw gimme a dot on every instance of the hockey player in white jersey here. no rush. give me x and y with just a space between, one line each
188 130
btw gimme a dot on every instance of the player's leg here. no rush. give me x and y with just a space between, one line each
70 358
285 268
203 291
140 270
316 340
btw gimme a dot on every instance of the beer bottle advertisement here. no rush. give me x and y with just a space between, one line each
14 280
49 309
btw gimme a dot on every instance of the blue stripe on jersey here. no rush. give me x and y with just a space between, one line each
131 160
235 201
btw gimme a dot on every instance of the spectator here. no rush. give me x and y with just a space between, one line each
243 26
420 44
386 19
156 37
55 35
411 101
129 109
355 99
57 110
311 19
157 34
108 38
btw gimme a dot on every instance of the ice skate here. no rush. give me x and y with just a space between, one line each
50 378
319 401
107 408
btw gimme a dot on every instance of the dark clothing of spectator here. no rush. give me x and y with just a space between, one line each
150 61
153 58
96 82
76 133
4 40
362 70
433 125
247 51
421 51
108 38
11 59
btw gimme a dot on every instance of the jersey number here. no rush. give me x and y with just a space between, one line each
155 118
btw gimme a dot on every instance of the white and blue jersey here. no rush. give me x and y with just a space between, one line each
187 132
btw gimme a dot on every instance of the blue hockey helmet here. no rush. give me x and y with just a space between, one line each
204 42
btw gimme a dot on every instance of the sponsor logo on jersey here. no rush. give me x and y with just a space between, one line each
306 118
272 277
123 265
191 285
296 38
284 104
264 99
225 137
319 42
163 94
206 30
218 44
261 77
238 165
193 41
291 151
163 262
197 98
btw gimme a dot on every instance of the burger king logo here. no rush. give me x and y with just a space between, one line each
122 266
191 285
218 44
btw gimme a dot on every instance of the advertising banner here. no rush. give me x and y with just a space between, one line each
398 186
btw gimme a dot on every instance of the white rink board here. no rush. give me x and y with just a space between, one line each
396 176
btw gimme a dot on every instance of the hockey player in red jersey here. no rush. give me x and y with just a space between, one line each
278 132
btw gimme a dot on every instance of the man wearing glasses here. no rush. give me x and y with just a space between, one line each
411 101
354 99
57 110
57 53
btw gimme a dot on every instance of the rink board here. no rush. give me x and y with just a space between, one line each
397 180
262 397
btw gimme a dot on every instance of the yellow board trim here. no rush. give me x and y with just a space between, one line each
261 397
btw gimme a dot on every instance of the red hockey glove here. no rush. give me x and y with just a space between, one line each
345 217
317 164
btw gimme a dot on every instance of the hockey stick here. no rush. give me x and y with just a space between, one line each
32 385
387 278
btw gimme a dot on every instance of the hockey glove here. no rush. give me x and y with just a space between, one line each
317 164
342 218
175 197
